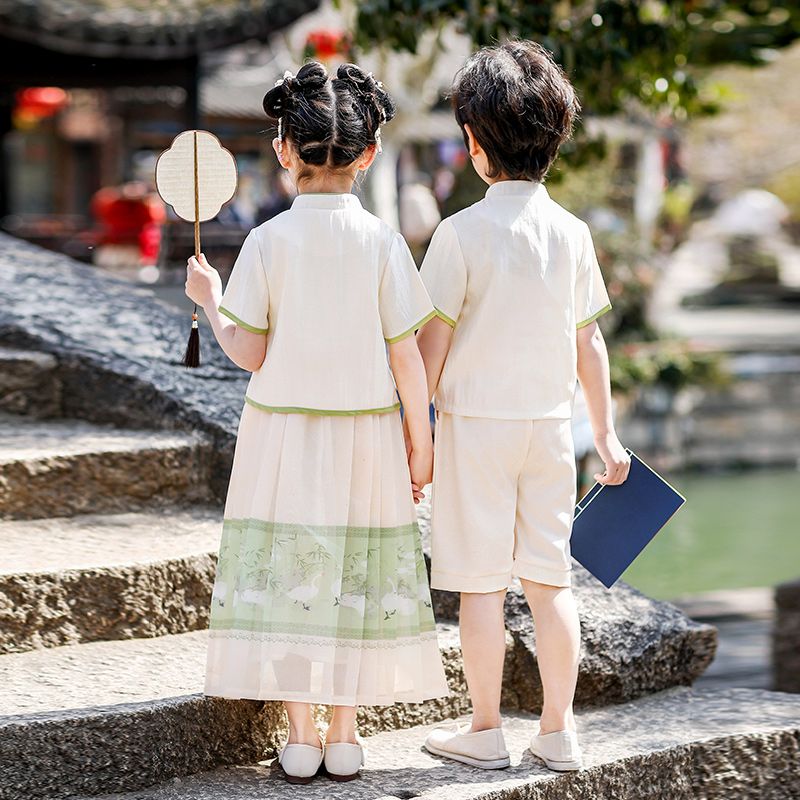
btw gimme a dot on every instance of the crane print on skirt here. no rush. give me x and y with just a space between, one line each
321 593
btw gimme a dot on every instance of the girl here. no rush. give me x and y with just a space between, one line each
321 593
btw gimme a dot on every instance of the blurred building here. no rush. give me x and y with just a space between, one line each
91 90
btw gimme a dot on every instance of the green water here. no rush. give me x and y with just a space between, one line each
735 530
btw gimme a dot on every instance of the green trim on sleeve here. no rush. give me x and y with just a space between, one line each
239 322
442 316
321 412
594 317
412 329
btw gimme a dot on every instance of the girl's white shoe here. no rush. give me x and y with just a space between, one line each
559 750
343 760
300 762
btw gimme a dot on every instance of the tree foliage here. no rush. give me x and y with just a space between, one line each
622 55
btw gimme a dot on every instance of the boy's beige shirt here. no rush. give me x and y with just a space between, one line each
515 274
330 284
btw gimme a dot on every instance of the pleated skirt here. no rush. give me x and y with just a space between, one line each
321 593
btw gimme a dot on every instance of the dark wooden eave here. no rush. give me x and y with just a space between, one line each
144 29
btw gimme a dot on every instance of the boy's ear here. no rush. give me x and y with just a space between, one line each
472 143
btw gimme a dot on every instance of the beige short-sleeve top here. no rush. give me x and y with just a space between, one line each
515 275
329 284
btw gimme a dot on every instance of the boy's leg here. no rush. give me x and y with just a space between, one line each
545 506
558 636
483 645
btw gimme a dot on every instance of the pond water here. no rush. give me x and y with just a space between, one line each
736 530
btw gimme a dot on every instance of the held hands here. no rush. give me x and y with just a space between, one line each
203 283
420 465
615 457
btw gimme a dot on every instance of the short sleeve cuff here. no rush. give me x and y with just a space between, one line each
594 316
240 322
442 316
412 329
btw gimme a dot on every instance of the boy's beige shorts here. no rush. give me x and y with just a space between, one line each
503 502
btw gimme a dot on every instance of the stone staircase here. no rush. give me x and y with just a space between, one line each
109 538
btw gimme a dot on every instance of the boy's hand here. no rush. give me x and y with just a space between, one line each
616 460
203 283
420 465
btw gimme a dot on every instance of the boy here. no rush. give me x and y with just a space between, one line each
517 289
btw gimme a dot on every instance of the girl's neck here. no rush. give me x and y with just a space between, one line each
326 184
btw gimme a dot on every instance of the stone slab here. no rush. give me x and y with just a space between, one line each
29 383
630 646
750 603
108 716
786 637
119 349
681 744
93 541
743 656
116 576
64 467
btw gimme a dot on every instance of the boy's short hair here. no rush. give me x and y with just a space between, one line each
519 105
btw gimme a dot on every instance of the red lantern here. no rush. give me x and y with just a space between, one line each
39 102
326 44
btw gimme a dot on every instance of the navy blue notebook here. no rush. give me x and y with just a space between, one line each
613 524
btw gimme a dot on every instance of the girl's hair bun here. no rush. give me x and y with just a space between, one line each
284 95
369 91
329 121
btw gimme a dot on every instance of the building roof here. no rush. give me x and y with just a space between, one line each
145 29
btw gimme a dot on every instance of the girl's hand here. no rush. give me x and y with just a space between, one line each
420 465
407 437
616 460
203 283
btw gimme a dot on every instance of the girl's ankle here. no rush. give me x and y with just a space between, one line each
340 737
309 736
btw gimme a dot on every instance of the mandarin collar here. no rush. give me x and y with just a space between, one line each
517 188
326 200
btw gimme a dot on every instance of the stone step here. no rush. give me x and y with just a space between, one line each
68 580
29 383
768 423
67 467
681 744
111 716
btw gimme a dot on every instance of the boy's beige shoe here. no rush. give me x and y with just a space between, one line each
559 750
484 749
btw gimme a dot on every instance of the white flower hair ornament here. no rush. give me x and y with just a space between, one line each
287 75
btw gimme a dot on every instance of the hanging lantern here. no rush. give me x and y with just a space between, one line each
326 44
37 103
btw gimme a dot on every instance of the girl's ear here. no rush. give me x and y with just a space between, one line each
280 152
472 143
367 157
